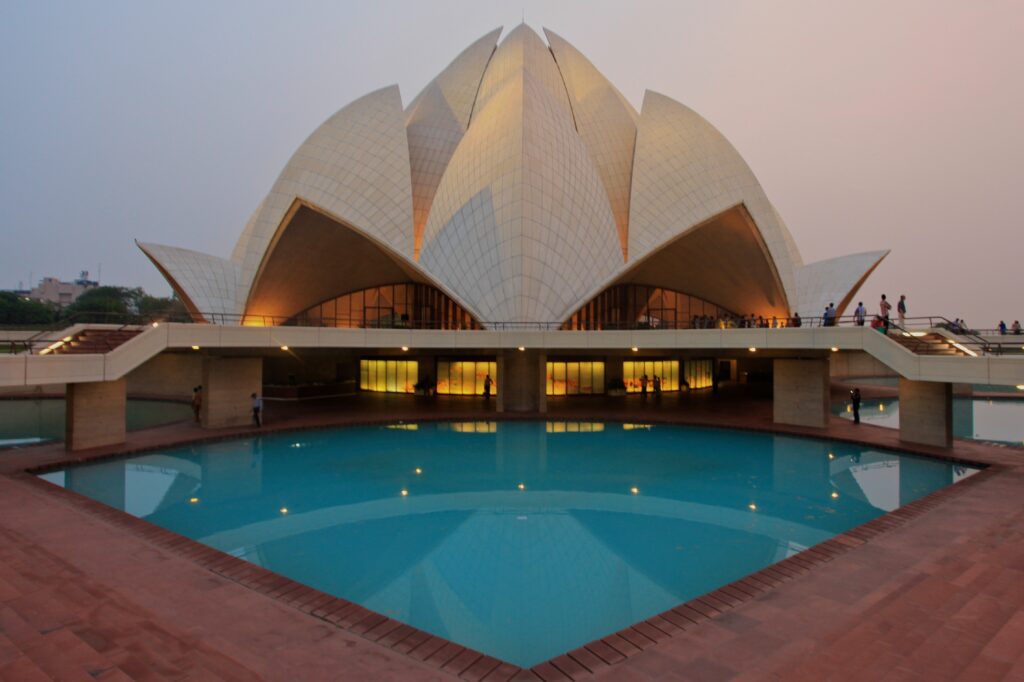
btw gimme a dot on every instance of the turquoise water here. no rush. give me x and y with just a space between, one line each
522 540
975 418
27 421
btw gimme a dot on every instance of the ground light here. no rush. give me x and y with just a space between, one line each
283 510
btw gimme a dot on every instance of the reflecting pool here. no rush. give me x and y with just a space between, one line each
522 540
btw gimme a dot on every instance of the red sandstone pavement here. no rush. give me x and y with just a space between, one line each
934 593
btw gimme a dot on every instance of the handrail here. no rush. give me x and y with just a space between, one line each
913 330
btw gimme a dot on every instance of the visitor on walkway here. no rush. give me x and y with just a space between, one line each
487 387
859 314
643 386
257 410
855 401
657 386
901 310
884 307
830 311
1002 327
797 322
1016 327
197 401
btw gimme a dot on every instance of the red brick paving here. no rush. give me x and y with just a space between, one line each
933 591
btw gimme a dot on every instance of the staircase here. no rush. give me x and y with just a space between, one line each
927 343
94 341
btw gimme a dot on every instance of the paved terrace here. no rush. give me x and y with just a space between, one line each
934 592
29 370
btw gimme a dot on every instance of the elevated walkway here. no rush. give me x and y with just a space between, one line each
95 362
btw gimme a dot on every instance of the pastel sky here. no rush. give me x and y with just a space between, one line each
871 124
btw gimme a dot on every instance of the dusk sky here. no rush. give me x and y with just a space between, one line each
878 124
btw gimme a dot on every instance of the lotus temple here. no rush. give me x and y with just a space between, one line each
512 380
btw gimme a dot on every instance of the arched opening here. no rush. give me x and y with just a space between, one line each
639 306
406 305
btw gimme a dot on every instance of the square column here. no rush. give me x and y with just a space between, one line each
522 381
800 391
228 384
926 412
95 414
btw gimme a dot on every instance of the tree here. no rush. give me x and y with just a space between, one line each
17 310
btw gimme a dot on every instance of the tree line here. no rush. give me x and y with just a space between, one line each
102 304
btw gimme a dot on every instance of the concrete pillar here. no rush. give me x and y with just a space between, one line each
522 381
926 412
95 414
228 384
800 391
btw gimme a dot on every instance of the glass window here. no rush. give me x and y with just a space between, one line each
388 376
575 378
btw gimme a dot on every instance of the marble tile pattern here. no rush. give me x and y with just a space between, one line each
830 281
520 181
606 123
208 282
436 121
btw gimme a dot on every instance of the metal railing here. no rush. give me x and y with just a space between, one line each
913 334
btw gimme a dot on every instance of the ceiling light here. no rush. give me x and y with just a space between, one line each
195 347
405 348
284 347
752 349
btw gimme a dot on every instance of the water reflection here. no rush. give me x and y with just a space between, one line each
526 539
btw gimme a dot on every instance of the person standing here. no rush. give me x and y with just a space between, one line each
643 386
859 314
884 307
257 410
855 401
487 387
1002 327
1016 327
901 310
197 401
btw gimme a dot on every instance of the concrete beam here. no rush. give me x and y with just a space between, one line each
228 384
800 391
95 414
926 412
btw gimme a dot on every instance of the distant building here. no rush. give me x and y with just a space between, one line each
52 290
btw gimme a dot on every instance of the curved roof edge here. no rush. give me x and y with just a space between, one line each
355 165
834 280
206 284
685 172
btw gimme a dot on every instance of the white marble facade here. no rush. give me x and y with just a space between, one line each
520 182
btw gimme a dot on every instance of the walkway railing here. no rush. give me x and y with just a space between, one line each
913 328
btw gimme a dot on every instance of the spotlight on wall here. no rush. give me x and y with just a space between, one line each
834 349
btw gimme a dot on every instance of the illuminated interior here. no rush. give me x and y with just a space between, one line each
407 305
466 377
575 378
628 306
698 373
388 376
666 370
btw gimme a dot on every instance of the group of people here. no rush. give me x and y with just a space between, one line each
197 406
882 321
743 322
656 385
1015 328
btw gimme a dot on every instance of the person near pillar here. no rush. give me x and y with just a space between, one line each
257 410
197 402
487 387
855 402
